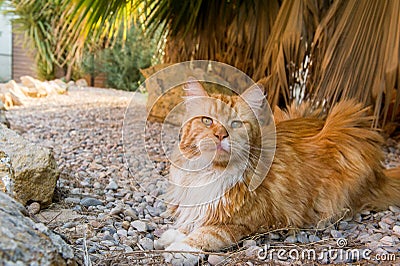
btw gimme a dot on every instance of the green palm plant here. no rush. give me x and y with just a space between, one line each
343 48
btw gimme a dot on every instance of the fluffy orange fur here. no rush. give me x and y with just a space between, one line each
322 167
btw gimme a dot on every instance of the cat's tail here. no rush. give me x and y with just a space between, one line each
387 191
391 188
349 126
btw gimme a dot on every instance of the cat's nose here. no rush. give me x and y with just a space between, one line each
221 134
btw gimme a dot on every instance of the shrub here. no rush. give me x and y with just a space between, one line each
122 62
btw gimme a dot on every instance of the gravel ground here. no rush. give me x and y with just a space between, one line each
111 216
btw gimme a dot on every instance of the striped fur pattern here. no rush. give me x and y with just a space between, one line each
322 167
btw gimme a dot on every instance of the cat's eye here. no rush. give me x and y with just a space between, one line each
236 124
206 121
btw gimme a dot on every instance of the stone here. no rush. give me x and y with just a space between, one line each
24 242
249 243
33 87
131 213
302 238
343 225
34 208
122 232
88 201
97 185
112 185
6 172
387 241
140 226
291 239
72 200
388 220
336 234
146 243
394 209
59 86
314 238
34 169
126 225
116 210
216 260
274 236
69 225
384 225
396 230
81 83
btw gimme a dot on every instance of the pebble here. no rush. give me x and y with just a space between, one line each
90 202
132 232
336 234
108 237
153 211
387 241
108 243
252 251
146 243
116 210
216 259
291 239
394 209
72 200
112 185
374 237
77 208
141 226
249 243
34 208
302 238
126 225
69 225
388 220
122 232
314 238
381 251
343 225
97 185
384 225
396 230
274 236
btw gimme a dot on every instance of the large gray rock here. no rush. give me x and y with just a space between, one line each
24 242
27 172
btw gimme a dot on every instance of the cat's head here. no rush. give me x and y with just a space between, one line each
220 128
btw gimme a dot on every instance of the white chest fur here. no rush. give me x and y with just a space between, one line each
198 193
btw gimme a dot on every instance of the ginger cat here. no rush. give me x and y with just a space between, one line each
321 167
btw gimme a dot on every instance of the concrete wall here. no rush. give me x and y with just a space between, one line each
5 48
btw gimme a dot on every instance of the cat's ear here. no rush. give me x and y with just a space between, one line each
193 88
255 98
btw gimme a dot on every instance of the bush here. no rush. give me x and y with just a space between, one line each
122 61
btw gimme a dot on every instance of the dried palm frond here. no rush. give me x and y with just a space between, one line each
356 55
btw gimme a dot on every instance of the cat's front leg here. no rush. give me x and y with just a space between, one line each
216 237
205 238
168 237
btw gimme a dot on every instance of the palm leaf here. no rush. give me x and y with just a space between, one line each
356 55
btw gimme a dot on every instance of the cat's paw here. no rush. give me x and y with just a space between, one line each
184 258
168 237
